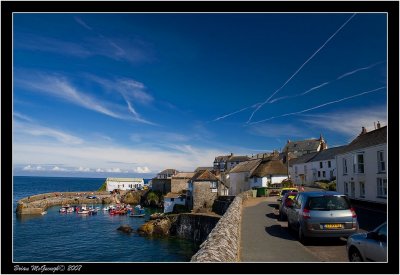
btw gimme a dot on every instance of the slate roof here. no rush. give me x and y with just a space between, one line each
184 175
246 166
204 175
302 159
302 145
222 158
328 153
239 158
372 138
168 172
269 167
203 168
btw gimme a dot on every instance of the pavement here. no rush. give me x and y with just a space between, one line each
262 238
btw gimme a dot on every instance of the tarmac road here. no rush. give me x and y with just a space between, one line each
265 239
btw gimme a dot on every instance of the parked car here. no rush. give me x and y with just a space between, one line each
286 190
91 197
370 246
283 205
321 214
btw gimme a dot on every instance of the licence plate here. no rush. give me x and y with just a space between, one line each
333 226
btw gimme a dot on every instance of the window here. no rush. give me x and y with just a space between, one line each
181 199
362 189
319 174
358 166
344 166
329 164
213 184
320 164
295 170
255 180
172 199
382 187
305 169
323 174
381 162
346 188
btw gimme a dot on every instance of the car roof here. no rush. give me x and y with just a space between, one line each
321 193
290 188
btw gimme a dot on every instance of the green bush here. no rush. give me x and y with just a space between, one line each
287 183
332 186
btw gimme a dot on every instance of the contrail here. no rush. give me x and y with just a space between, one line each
298 70
314 88
359 69
241 110
319 106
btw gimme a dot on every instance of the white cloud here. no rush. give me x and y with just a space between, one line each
114 170
23 129
349 122
56 168
99 170
142 170
33 168
83 169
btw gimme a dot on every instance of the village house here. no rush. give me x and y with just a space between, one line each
256 173
162 182
313 167
226 163
124 183
362 167
204 188
180 181
298 148
171 199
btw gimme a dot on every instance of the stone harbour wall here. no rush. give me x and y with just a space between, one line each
223 242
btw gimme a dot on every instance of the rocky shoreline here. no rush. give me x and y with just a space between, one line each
35 205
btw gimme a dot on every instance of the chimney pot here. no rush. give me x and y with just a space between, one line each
363 130
378 125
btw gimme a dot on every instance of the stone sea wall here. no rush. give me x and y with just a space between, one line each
223 242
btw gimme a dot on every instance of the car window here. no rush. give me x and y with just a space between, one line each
298 200
382 230
327 203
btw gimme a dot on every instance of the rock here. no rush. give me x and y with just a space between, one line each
125 228
159 227
131 197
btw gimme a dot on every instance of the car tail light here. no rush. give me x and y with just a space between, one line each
353 213
306 213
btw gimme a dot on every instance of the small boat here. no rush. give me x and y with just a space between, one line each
84 212
44 213
70 210
107 208
63 210
137 215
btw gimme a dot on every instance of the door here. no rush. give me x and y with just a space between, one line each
352 189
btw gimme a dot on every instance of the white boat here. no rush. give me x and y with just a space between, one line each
70 209
107 208
44 213
83 212
63 210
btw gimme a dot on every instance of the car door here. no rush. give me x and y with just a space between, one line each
376 249
295 210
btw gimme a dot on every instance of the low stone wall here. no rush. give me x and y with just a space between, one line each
223 243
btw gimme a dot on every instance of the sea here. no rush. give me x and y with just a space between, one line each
71 237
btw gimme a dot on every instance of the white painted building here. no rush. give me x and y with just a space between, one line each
313 167
124 183
171 199
256 173
362 167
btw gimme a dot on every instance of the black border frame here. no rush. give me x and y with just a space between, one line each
390 7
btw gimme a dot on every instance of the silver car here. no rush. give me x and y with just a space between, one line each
321 214
369 246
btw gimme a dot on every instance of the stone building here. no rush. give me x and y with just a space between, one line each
180 181
162 182
204 188
298 148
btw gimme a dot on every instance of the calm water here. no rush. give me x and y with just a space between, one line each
71 237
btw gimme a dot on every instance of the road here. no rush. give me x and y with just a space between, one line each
265 239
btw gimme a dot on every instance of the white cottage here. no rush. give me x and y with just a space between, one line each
124 183
171 199
315 166
256 173
362 167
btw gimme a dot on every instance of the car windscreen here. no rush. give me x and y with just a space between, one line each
327 203
286 191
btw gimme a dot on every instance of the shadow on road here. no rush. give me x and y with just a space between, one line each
278 231
274 205
326 242
271 216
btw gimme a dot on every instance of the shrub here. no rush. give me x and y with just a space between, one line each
332 186
287 183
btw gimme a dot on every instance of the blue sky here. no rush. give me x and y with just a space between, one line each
98 95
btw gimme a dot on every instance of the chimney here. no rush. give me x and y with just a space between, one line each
288 141
378 125
363 130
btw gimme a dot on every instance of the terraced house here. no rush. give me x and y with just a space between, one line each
362 167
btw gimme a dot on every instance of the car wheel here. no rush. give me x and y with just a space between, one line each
303 239
355 255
